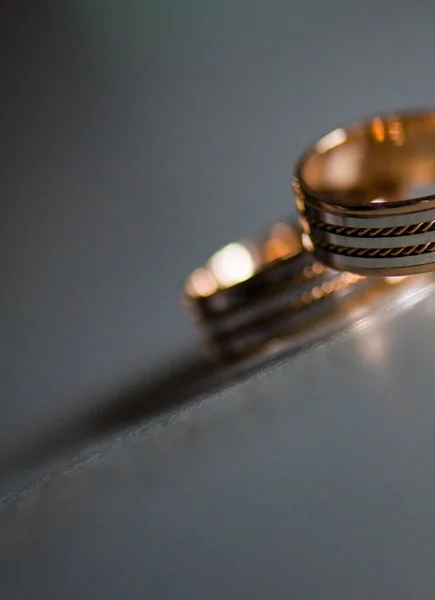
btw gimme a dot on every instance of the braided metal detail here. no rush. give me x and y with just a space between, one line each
378 252
373 232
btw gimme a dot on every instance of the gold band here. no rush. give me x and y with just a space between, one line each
252 293
362 192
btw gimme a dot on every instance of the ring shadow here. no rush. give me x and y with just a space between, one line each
118 412
175 388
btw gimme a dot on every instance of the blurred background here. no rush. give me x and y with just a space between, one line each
137 138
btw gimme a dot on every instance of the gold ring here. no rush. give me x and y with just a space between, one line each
363 192
251 294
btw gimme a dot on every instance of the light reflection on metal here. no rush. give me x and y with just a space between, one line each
299 197
232 264
396 131
395 280
331 140
201 283
283 242
378 129
307 243
288 299
358 189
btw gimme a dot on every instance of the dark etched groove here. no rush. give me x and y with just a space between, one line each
378 252
382 232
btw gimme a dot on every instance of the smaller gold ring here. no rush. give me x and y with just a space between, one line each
251 294
363 194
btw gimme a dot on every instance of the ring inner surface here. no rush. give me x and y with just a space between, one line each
388 159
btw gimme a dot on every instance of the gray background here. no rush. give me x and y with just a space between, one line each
137 138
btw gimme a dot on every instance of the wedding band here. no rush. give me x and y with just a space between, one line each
251 294
364 195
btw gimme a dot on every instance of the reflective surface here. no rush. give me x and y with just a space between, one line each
375 165
314 478
252 296
355 191
257 298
